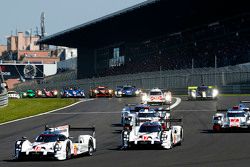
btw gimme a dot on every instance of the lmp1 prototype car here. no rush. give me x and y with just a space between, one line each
13 95
101 91
237 117
72 92
46 93
153 133
28 94
55 143
202 92
127 90
156 96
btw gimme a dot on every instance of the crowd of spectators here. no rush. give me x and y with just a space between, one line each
227 42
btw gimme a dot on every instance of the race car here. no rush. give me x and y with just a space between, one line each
234 118
153 133
156 96
127 90
55 143
129 113
72 92
28 94
202 92
13 95
101 91
46 93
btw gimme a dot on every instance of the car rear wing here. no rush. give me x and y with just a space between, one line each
245 101
174 120
92 129
192 87
66 128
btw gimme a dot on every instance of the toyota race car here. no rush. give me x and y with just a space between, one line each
29 93
156 96
153 133
55 143
46 93
127 90
101 91
234 118
70 92
202 92
13 95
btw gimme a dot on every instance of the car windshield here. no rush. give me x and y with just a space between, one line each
126 88
150 129
12 93
155 93
147 115
47 138
202 88
241 114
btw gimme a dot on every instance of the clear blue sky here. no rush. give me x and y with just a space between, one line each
59 14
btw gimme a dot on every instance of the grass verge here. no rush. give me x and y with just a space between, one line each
20 108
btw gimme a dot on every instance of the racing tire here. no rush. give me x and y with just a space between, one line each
90 148
68 151
216 128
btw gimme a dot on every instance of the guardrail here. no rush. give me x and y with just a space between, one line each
3 100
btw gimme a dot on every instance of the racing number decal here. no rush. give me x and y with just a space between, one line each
145 137
234 122
37 148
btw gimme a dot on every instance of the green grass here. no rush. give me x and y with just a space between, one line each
20 108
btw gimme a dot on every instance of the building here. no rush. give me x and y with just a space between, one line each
160 34
22 47
3 49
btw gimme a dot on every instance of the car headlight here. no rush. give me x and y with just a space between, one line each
95 91
193 94
110 91
119 92
25 94
55 92
144 98
137 92
168 97
215 92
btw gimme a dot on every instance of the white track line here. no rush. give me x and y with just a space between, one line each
85 100
178 101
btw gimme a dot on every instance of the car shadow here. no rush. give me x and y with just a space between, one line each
210 131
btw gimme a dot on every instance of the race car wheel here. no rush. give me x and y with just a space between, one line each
90 148
216 128
68 151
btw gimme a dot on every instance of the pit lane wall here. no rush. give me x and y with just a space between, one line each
233 79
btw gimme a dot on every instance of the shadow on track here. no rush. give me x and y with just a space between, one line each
210 131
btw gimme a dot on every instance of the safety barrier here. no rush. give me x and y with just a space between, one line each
3 99
227 79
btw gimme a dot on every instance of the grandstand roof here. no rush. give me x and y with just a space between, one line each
145 20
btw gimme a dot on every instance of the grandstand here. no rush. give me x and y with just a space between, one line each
160 35
160 43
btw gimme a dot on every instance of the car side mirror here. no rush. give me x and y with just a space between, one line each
24 137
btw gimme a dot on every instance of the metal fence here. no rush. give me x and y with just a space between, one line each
3 100
176 80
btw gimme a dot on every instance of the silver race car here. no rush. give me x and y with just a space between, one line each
156 96
55 143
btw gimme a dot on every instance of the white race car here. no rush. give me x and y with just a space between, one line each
234 118
153 133
55 143
156 96
13 95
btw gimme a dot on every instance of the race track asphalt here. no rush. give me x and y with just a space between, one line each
201 147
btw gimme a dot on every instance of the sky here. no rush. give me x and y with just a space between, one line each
23 15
